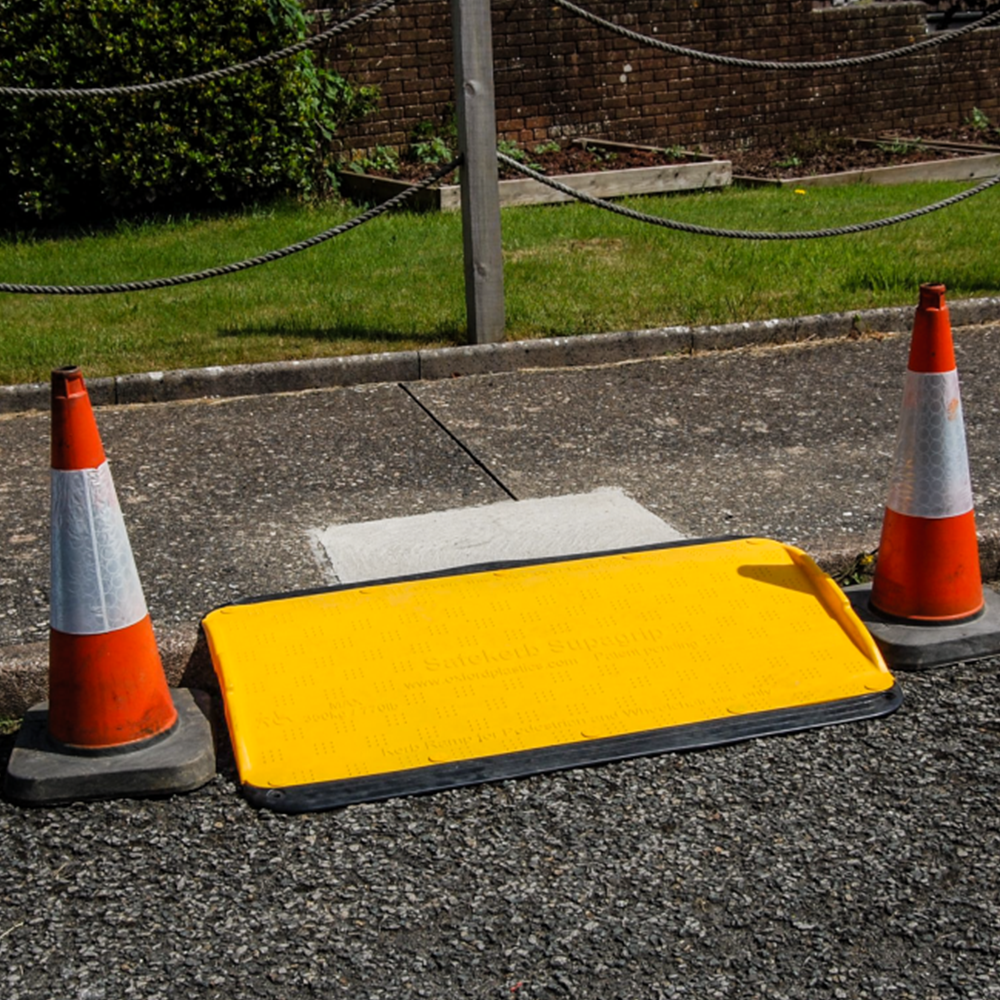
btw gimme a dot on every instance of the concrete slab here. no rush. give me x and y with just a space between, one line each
527 529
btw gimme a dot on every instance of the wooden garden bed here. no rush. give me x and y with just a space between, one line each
682 171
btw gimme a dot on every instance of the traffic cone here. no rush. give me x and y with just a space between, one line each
926 605
111 725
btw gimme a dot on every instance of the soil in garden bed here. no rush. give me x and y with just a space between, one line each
573 158
972 135
798 157
551 159
804 158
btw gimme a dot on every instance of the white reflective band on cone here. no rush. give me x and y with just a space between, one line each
95 585
930 471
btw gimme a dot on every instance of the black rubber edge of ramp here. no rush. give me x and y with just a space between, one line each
456 774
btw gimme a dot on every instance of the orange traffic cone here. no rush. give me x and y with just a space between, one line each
106 682
108 695
928 592
928 559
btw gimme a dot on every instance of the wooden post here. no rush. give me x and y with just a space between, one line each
472 34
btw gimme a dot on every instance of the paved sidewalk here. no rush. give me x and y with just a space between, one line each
223 497
859 861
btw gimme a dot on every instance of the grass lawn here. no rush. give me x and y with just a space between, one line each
396 283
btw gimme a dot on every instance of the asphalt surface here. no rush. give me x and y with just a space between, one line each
861 860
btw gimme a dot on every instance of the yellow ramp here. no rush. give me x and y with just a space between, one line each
364 692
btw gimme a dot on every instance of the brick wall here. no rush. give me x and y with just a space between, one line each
556 75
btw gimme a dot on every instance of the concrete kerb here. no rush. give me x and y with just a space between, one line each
482 359
24 669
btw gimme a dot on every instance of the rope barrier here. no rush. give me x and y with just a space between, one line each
210 75
656 43
740 234
243 265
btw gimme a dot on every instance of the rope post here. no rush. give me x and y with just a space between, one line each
477 137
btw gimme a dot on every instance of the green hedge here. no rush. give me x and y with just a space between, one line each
248 136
